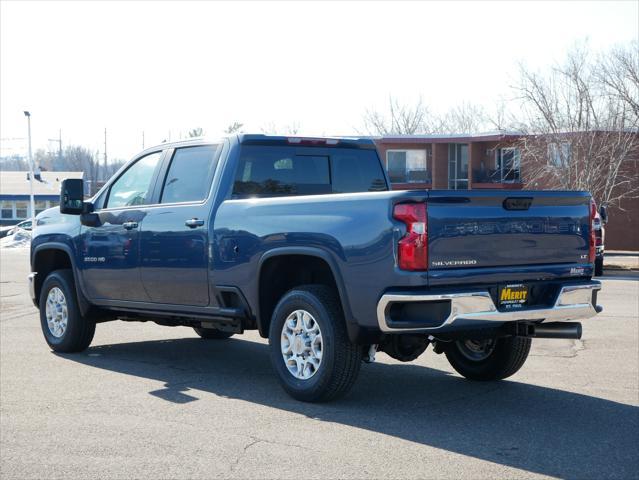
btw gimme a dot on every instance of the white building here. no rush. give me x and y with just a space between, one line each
14 193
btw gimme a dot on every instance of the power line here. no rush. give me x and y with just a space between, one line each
59 142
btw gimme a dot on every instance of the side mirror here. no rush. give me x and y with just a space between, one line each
603 213
72 196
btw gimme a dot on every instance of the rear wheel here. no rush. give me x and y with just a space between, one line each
310 350
489 359
63 326
212 333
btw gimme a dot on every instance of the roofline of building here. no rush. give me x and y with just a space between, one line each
448 138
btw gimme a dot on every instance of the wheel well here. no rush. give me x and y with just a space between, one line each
282 273
45 262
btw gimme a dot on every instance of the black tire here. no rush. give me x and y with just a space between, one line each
79 330
340 360
599 267
506 358
212 333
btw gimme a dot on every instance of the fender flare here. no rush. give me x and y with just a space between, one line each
351 323
83 301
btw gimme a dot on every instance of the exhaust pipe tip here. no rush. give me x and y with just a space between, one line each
569 330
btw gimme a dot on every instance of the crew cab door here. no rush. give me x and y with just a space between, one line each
174 241
110 260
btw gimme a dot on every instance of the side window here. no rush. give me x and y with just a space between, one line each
134 185
190 174
267 171
359 171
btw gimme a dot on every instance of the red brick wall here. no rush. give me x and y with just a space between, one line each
440 165
622 230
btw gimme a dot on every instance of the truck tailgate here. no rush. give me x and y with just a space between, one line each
497 229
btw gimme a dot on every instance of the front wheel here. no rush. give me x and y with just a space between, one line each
489 359
310 350
63 326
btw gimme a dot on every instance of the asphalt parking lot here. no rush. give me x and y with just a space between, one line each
158 402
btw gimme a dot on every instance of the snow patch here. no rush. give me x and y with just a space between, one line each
19 239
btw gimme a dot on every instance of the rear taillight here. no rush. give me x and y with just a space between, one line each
593 240
412 249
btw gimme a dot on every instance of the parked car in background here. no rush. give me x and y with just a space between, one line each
303 240
11 229
601 218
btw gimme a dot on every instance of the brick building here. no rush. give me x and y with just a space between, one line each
484 161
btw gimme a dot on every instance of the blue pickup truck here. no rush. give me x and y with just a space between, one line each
303 240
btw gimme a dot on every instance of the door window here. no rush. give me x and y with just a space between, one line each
190 174
134 185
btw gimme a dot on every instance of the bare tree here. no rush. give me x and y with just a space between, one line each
47 160
110 168
400 119
196 132
81 159
618 74
271 128
14 163
581 131
465 118
235 127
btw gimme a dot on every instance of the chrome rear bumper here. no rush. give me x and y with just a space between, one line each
574 302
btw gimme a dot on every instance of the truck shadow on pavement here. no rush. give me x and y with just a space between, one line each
537 429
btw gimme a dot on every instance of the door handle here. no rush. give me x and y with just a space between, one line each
194 222
130 225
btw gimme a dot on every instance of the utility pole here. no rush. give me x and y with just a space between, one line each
142 139
105 153
32 202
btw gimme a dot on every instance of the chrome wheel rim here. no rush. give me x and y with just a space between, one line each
301 344
476 350
57 312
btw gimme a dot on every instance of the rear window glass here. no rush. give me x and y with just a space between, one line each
280 171
357 171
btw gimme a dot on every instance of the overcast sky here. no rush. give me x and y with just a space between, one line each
163 67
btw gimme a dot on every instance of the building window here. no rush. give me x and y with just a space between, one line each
407 166
40 206
559 154
6 209
508 163
21 210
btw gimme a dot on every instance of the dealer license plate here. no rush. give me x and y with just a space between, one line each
513 296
